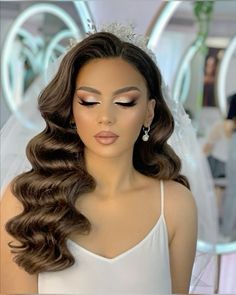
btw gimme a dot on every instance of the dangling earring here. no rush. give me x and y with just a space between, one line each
146 135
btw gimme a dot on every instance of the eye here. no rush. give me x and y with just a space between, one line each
88 104
127 104
123 104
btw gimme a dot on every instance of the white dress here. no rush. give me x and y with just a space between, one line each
143 269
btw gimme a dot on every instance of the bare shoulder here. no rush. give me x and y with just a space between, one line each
181 216
9 201
13 278
180 206
179 196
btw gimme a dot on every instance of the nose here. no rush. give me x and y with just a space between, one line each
106 115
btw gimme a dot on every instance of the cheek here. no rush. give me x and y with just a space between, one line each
132 123
85 122
83 118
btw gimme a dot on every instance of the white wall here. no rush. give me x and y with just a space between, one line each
139 13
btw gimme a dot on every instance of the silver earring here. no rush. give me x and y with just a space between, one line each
146 135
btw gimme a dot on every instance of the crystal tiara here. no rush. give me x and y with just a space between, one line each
125 33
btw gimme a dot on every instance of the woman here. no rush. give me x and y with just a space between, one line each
104 208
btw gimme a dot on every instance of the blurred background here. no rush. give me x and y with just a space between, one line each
195 47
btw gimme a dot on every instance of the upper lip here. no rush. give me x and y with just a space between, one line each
105 134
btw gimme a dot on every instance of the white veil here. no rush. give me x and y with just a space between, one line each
15 136
195 167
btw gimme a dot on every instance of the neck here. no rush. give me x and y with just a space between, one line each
113 175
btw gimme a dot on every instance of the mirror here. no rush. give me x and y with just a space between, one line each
202 78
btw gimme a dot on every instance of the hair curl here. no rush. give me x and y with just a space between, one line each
58 176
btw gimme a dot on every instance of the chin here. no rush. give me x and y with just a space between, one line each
108 151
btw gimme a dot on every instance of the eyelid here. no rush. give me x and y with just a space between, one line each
85 100
130 103
88 103
124 100
123 104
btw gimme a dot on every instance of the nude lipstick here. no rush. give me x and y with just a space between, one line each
106 137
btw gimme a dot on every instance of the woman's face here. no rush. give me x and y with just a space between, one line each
111 95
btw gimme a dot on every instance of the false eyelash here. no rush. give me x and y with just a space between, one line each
89 104
127 104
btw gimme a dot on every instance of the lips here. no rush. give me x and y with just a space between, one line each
106 134
106 137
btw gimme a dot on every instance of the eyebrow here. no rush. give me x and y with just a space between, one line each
118 91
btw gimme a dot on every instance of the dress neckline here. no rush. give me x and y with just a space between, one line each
76 246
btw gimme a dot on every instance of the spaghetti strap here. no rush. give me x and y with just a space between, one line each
162 197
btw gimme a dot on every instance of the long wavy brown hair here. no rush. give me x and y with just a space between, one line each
58 175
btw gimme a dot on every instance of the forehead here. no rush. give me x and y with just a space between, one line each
114 72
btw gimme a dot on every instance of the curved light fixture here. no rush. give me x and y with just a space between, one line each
7 47
31 48
184 68
160 21
186 85
154 32
84 14
221 77
29 40
220 248
52 46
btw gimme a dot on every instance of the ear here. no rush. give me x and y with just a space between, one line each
150 112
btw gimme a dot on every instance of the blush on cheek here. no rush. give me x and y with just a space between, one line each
134 120
133 128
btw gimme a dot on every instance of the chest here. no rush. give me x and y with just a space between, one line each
120 224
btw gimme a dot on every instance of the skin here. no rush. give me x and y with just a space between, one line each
108 207
216 133
108 76
229 126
